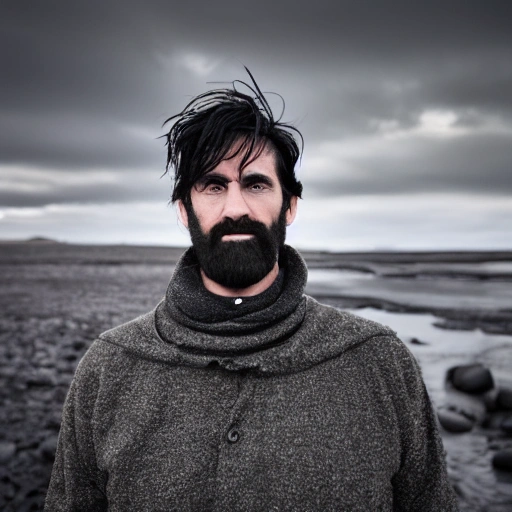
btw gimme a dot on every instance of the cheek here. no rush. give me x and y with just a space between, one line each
206 225
272 209
206 214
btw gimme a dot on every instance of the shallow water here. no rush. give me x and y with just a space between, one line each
446 348
469 455
452 293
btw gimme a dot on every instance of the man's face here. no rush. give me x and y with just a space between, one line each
237 222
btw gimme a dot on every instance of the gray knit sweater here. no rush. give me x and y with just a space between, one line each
275 403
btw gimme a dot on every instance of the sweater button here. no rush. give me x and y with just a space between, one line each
233 435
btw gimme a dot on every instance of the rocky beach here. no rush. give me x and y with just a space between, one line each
453 310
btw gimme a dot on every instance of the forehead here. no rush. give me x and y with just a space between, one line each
262 160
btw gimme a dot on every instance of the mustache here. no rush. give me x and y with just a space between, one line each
243 225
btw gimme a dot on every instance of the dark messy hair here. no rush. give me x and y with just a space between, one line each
205 133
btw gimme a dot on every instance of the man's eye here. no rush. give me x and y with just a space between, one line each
212 187
257 186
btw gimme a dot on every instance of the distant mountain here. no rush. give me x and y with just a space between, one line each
42 239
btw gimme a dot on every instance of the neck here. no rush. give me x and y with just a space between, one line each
254 289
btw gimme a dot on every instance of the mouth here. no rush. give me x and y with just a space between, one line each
237 237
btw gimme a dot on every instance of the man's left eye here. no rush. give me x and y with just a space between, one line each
258 186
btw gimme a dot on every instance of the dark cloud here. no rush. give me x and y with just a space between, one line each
142 188
463 165
87 85
70 142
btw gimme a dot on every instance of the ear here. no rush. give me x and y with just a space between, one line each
292 210
182 213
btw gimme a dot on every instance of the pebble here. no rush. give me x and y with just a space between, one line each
42 377
416 341
46 363
48 447
8 490
454 422
64 366
54 420
79 344
7 451
503 460
70 356
8 371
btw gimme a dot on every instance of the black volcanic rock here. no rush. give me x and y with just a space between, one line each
471 378
48 447
506 425
7 451
454 422
503 460
56 298
42 377
417 341
504 399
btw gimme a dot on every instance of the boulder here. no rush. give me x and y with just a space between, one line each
454 422
504 399
471 406
495 420
489 399
506 425
471 378
503 460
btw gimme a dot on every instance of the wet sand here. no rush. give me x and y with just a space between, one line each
56 298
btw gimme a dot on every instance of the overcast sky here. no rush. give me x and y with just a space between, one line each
405 108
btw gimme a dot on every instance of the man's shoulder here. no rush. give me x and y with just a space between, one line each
113 343
328 334
339 321
378 345
143 326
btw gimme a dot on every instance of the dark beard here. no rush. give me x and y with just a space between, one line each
238 264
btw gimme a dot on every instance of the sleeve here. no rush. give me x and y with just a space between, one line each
421 483
76 482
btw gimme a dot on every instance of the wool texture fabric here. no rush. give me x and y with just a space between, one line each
271 403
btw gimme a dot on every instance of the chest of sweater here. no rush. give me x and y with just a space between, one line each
177 438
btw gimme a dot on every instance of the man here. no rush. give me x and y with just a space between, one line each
239 392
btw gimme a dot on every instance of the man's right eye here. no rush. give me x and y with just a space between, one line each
213 187
209 186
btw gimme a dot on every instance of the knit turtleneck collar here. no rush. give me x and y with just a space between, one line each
196 307
280 331
227 324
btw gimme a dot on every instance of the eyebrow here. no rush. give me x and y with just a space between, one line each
253 177
256 177
211 176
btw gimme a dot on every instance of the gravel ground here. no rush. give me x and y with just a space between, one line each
51 313
55 299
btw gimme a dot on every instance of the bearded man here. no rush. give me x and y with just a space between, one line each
238 392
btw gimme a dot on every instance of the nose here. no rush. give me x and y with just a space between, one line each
235 205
